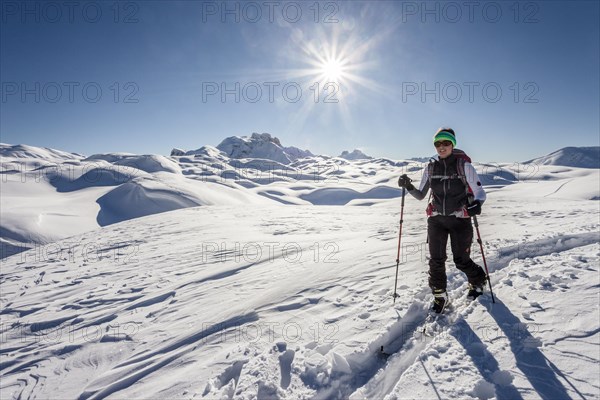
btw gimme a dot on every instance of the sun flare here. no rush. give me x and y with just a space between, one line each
334 67
333 70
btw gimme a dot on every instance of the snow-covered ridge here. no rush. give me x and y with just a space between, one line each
257 146
148 163
21 151
580 157
23 157
356 154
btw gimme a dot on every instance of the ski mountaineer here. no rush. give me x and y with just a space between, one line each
456 195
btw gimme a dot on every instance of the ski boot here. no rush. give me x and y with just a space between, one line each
440 300
475 290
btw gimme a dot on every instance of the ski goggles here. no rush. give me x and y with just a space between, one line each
444 143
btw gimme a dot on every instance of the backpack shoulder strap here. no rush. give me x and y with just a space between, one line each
460 168
458 153
430 171
461 159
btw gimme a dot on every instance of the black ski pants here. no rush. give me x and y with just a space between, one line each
461 237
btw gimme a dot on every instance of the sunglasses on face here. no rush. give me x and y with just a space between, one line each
444 143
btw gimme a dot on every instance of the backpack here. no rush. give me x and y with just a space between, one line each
461 158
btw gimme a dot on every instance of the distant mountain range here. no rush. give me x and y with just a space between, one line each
259 145
267 147
50 194
263 146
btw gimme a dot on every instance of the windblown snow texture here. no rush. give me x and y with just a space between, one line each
205 276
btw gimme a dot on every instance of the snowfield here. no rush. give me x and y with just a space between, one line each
205 276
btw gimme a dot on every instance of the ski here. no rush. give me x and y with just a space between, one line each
437 320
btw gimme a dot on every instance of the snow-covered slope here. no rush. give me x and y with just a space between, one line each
245 298
295 302
580 157
42 154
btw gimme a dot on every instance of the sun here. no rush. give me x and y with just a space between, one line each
332 70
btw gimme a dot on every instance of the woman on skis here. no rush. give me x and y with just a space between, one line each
456 195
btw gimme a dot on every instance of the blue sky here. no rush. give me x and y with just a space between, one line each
515 80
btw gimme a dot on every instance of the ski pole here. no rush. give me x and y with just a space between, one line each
399 240
483 256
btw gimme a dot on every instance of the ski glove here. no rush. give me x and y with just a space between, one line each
404 182
474 208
